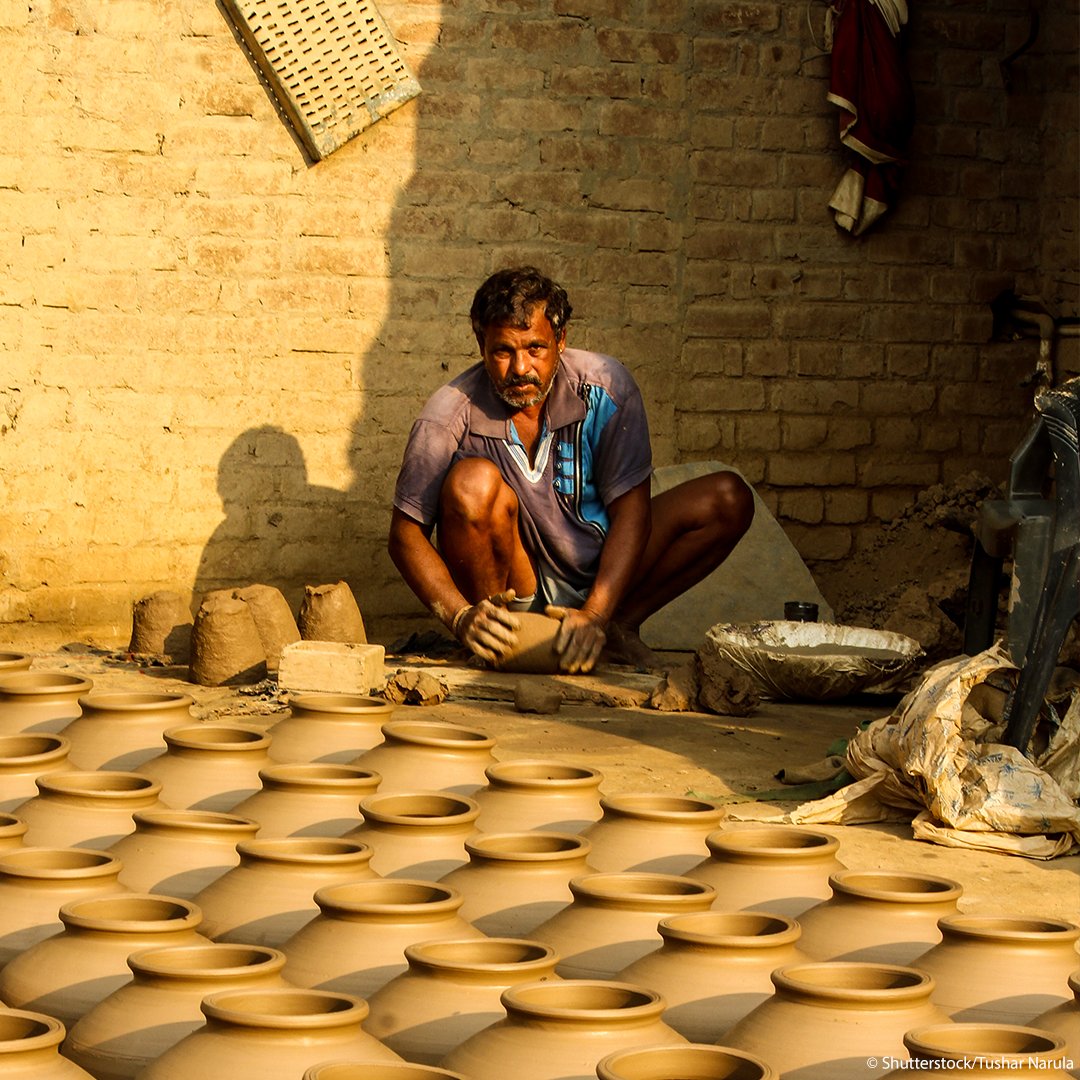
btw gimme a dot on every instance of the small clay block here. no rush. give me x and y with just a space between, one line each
161 626
535 650
226 649
332 667
273 620
330 613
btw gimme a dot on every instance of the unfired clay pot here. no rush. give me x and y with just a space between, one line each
355 1070
180 852
328 727
226 649
659 834
419 834
258 1035
1003 969
430 754
450 991
309 799
11 662
882 916
330 613
515 881
780 869
613 920
826 1019
1064 1021
36 882
561 1030
12 831
270 895
535 794
30 1048
357 942
694 1062
39 700
138 1022
86 809
122 730
23 758
68 974
534 651
714 967
209 766
986 1050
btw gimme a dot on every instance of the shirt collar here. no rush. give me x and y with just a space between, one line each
491 415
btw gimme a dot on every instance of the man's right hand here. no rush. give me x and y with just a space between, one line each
488 628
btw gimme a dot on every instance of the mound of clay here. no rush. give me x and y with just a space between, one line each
330 613
161 626
226 649
535 652
273 620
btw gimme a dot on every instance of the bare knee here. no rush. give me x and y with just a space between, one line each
474 490
730 503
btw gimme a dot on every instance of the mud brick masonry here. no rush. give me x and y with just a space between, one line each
211 349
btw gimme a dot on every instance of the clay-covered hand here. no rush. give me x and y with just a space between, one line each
488 628
580 639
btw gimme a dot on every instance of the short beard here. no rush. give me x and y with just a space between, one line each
503 392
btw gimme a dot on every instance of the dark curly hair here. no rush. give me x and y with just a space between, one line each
508 297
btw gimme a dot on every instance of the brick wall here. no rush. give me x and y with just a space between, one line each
212 349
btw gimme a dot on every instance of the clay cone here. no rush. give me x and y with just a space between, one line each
161 627
330 613
226 649
273 620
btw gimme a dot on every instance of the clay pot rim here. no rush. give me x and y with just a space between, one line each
374 808
12 826
560 846
90 914
637 888
59 746
253 1008
43 684
427 733
687 1055
656 806
452 955
378 1070
43 1031
957 1042
304 850
771 842
863 884
803 982
352 705
1074 983
539 1000
197 961
316 775
1028 929
693 928
519 773
199 821
135 702
13 661
92 863
93 784
373 898
186 737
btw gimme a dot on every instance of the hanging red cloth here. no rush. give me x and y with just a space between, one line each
871 86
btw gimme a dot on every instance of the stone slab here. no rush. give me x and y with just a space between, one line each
332 667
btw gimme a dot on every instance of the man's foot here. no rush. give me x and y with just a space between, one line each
624 646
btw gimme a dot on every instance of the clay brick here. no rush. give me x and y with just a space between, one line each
804 432
757 432
826 543
814 469
641 46
332 667
845 507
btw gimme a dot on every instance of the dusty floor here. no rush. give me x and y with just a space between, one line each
639 749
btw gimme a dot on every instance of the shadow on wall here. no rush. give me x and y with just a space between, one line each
278 528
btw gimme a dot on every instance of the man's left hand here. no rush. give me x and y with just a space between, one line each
580 638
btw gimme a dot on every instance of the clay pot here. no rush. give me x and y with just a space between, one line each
825 1020
560 1030
987 1050
180 852
11 662
274 620
1064 1020
209 766
694 1062
137 1023
613 919
357 942
545 795
270 894
39 700
23 758
330 613
308 799
780 869
328 727
254 1035
356 1070
419 834
450 991
30 1048
86 809
659 834
446 757
161 626
226 649
714 967
68 974
12 831
121 731
534 651
36 882
975 952
515 881
878 915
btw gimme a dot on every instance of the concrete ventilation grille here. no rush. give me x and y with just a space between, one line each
332 64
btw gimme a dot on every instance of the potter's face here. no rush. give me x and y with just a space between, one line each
521 361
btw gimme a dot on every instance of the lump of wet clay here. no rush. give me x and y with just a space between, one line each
537 696
535 651
226 649
330 613
273 620
161 626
